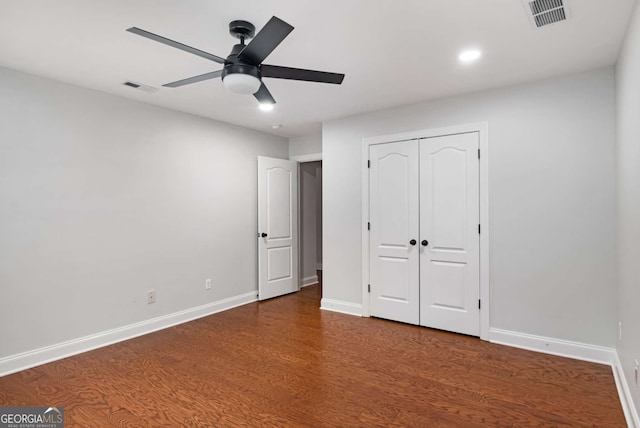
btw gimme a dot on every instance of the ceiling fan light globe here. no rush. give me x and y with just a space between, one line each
241 83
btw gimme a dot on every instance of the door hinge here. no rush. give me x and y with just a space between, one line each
368 288
478 153
368 226
478 228
368 164
479 304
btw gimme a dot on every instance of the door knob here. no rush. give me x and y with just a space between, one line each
264 235
424 242
412 242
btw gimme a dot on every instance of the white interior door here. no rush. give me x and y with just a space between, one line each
394 255
449 221
277 227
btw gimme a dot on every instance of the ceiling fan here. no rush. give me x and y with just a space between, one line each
243 69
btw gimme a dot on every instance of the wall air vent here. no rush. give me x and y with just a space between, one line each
140 86
546 12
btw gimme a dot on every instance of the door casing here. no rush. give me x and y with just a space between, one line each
483 130
311 157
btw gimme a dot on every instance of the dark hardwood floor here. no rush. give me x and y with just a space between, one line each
284 362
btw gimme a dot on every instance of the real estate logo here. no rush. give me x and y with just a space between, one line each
32 417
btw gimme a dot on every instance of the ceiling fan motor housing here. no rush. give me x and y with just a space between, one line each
240 76
239 68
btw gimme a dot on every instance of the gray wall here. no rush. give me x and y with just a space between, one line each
628 156
310 222
305 145
102 199
552 201
319 216
311 258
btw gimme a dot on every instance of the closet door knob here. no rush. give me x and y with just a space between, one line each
424 242
413 242
264 235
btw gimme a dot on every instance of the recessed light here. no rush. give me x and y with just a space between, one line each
266 106
276 126
469 55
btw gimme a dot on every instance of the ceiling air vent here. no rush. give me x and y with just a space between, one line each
545 12
140 86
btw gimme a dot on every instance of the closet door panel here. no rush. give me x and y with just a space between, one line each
393 205
449 218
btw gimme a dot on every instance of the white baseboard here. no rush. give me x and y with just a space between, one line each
630 412
309 280
26 360
549 345
342 307
578 351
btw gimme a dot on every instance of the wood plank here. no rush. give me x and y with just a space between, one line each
285 362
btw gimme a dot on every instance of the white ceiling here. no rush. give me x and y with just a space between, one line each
393 52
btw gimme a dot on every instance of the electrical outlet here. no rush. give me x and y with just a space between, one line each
151 296
620 331
207 284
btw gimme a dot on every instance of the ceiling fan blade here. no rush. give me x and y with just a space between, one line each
194 79
278 72
178 45
264 96
267 39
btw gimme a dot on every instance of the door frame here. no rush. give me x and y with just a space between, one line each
311 157
482 128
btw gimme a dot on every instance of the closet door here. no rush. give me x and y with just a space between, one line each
394 250
449 219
